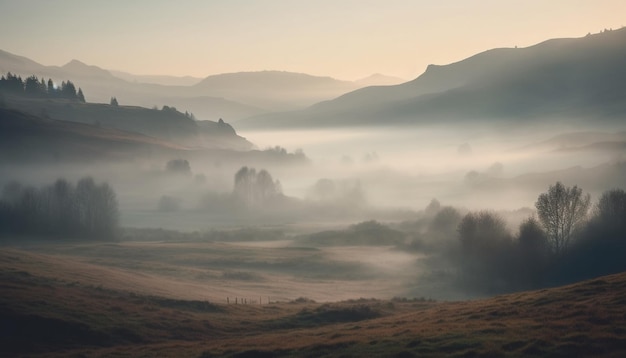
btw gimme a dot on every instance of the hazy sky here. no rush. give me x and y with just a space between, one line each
346 39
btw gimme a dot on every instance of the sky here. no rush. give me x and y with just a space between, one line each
344 39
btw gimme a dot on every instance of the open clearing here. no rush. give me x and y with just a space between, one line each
219 271
126 300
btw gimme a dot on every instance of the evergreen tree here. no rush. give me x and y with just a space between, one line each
51 89
32 87
80 95
36 87
13 83
68 90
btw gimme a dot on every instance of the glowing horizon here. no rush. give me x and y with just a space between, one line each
346 39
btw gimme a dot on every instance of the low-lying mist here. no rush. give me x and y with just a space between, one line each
416 212
463 165
336 177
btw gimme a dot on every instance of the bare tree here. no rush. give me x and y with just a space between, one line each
255 188
60 209
561 210
106 208
244 182
84 200
265 186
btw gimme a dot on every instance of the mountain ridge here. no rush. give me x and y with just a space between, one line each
247 93
557 77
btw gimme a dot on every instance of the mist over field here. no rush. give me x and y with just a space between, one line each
466 166
353 183
376 209
378 170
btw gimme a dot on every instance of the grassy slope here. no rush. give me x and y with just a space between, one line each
167 125
58 316
25 136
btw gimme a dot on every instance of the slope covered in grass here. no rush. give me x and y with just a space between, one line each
47 316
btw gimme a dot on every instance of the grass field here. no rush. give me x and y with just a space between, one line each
149 299
215 271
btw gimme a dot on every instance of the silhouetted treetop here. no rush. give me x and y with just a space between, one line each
255 188
86 210
561 210
611 208
35 87
80 95
180 166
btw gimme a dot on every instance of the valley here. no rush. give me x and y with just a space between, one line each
312 179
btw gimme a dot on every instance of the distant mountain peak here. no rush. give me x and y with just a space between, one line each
75 62
77 66
270 74
268 79
379 79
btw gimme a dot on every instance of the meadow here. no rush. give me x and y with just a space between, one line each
177 299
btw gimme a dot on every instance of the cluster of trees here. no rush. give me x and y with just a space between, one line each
255 188
367 233
252 190
173 109
178 166
564 243
344 193
85 210
280 152
34 87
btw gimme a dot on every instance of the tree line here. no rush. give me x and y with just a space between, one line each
40 88
62 209
568 240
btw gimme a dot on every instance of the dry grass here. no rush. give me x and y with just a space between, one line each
48 307
214 271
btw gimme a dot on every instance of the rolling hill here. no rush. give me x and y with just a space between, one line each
157 79
230 96
582 78
80 318
28 138
167 124
276 90
19 64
